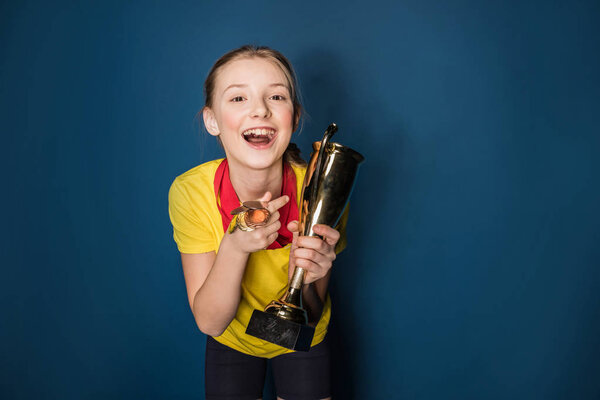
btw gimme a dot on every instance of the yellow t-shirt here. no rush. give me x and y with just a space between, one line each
198 228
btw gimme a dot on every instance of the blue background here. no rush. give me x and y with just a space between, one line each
472 270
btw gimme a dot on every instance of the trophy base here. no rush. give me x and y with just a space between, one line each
288 334
288 311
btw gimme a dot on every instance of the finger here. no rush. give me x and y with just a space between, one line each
311 277
270 229
314 256
264 236
276 204
274 217
330 235
271 238
311 267
315 243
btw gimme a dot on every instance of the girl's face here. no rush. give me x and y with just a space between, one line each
251 112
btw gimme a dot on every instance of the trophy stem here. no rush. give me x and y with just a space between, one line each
298 278
289 306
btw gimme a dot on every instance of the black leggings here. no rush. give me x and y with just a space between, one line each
231 375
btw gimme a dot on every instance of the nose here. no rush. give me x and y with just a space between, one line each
260 109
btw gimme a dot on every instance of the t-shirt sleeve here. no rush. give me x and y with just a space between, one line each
341 228
191 229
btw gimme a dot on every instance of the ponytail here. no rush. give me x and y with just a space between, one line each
292 155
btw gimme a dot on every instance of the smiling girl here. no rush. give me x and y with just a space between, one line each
252 107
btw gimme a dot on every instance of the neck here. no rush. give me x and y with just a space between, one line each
252 184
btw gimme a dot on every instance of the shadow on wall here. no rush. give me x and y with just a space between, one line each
332 92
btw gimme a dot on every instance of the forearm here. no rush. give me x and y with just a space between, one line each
215 303
313 299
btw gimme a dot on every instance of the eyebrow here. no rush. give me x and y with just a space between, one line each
243 85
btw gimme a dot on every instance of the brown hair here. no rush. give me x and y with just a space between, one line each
292 153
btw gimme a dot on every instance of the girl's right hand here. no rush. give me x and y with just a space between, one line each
261 237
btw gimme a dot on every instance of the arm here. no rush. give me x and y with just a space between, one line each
313 298
213 285
213 281
316 256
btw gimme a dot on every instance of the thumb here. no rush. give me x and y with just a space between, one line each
266 197
293 227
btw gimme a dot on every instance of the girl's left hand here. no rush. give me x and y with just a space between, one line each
311 253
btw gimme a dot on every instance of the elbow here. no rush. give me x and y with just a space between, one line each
211 331
211 328
211 321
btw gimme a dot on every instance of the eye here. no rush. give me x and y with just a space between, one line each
237 99
277 97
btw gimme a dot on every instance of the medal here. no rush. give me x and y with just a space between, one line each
249 216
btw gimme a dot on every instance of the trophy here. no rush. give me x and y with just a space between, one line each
327 186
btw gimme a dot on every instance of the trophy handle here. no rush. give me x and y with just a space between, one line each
331 129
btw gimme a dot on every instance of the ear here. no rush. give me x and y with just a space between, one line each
210 122
297 114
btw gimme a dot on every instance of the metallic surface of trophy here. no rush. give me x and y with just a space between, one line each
326 190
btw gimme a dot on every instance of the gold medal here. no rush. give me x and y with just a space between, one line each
249 216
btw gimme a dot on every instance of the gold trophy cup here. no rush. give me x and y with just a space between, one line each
327 186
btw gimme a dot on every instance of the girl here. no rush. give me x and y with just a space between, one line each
252 108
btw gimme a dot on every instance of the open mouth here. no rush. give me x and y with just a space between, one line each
259 136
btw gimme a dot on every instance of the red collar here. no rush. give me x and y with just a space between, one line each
227 201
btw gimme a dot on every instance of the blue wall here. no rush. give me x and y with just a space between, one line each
472 270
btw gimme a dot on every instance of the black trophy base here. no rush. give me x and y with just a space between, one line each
279 331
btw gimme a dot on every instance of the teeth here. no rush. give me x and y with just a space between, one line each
259 132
